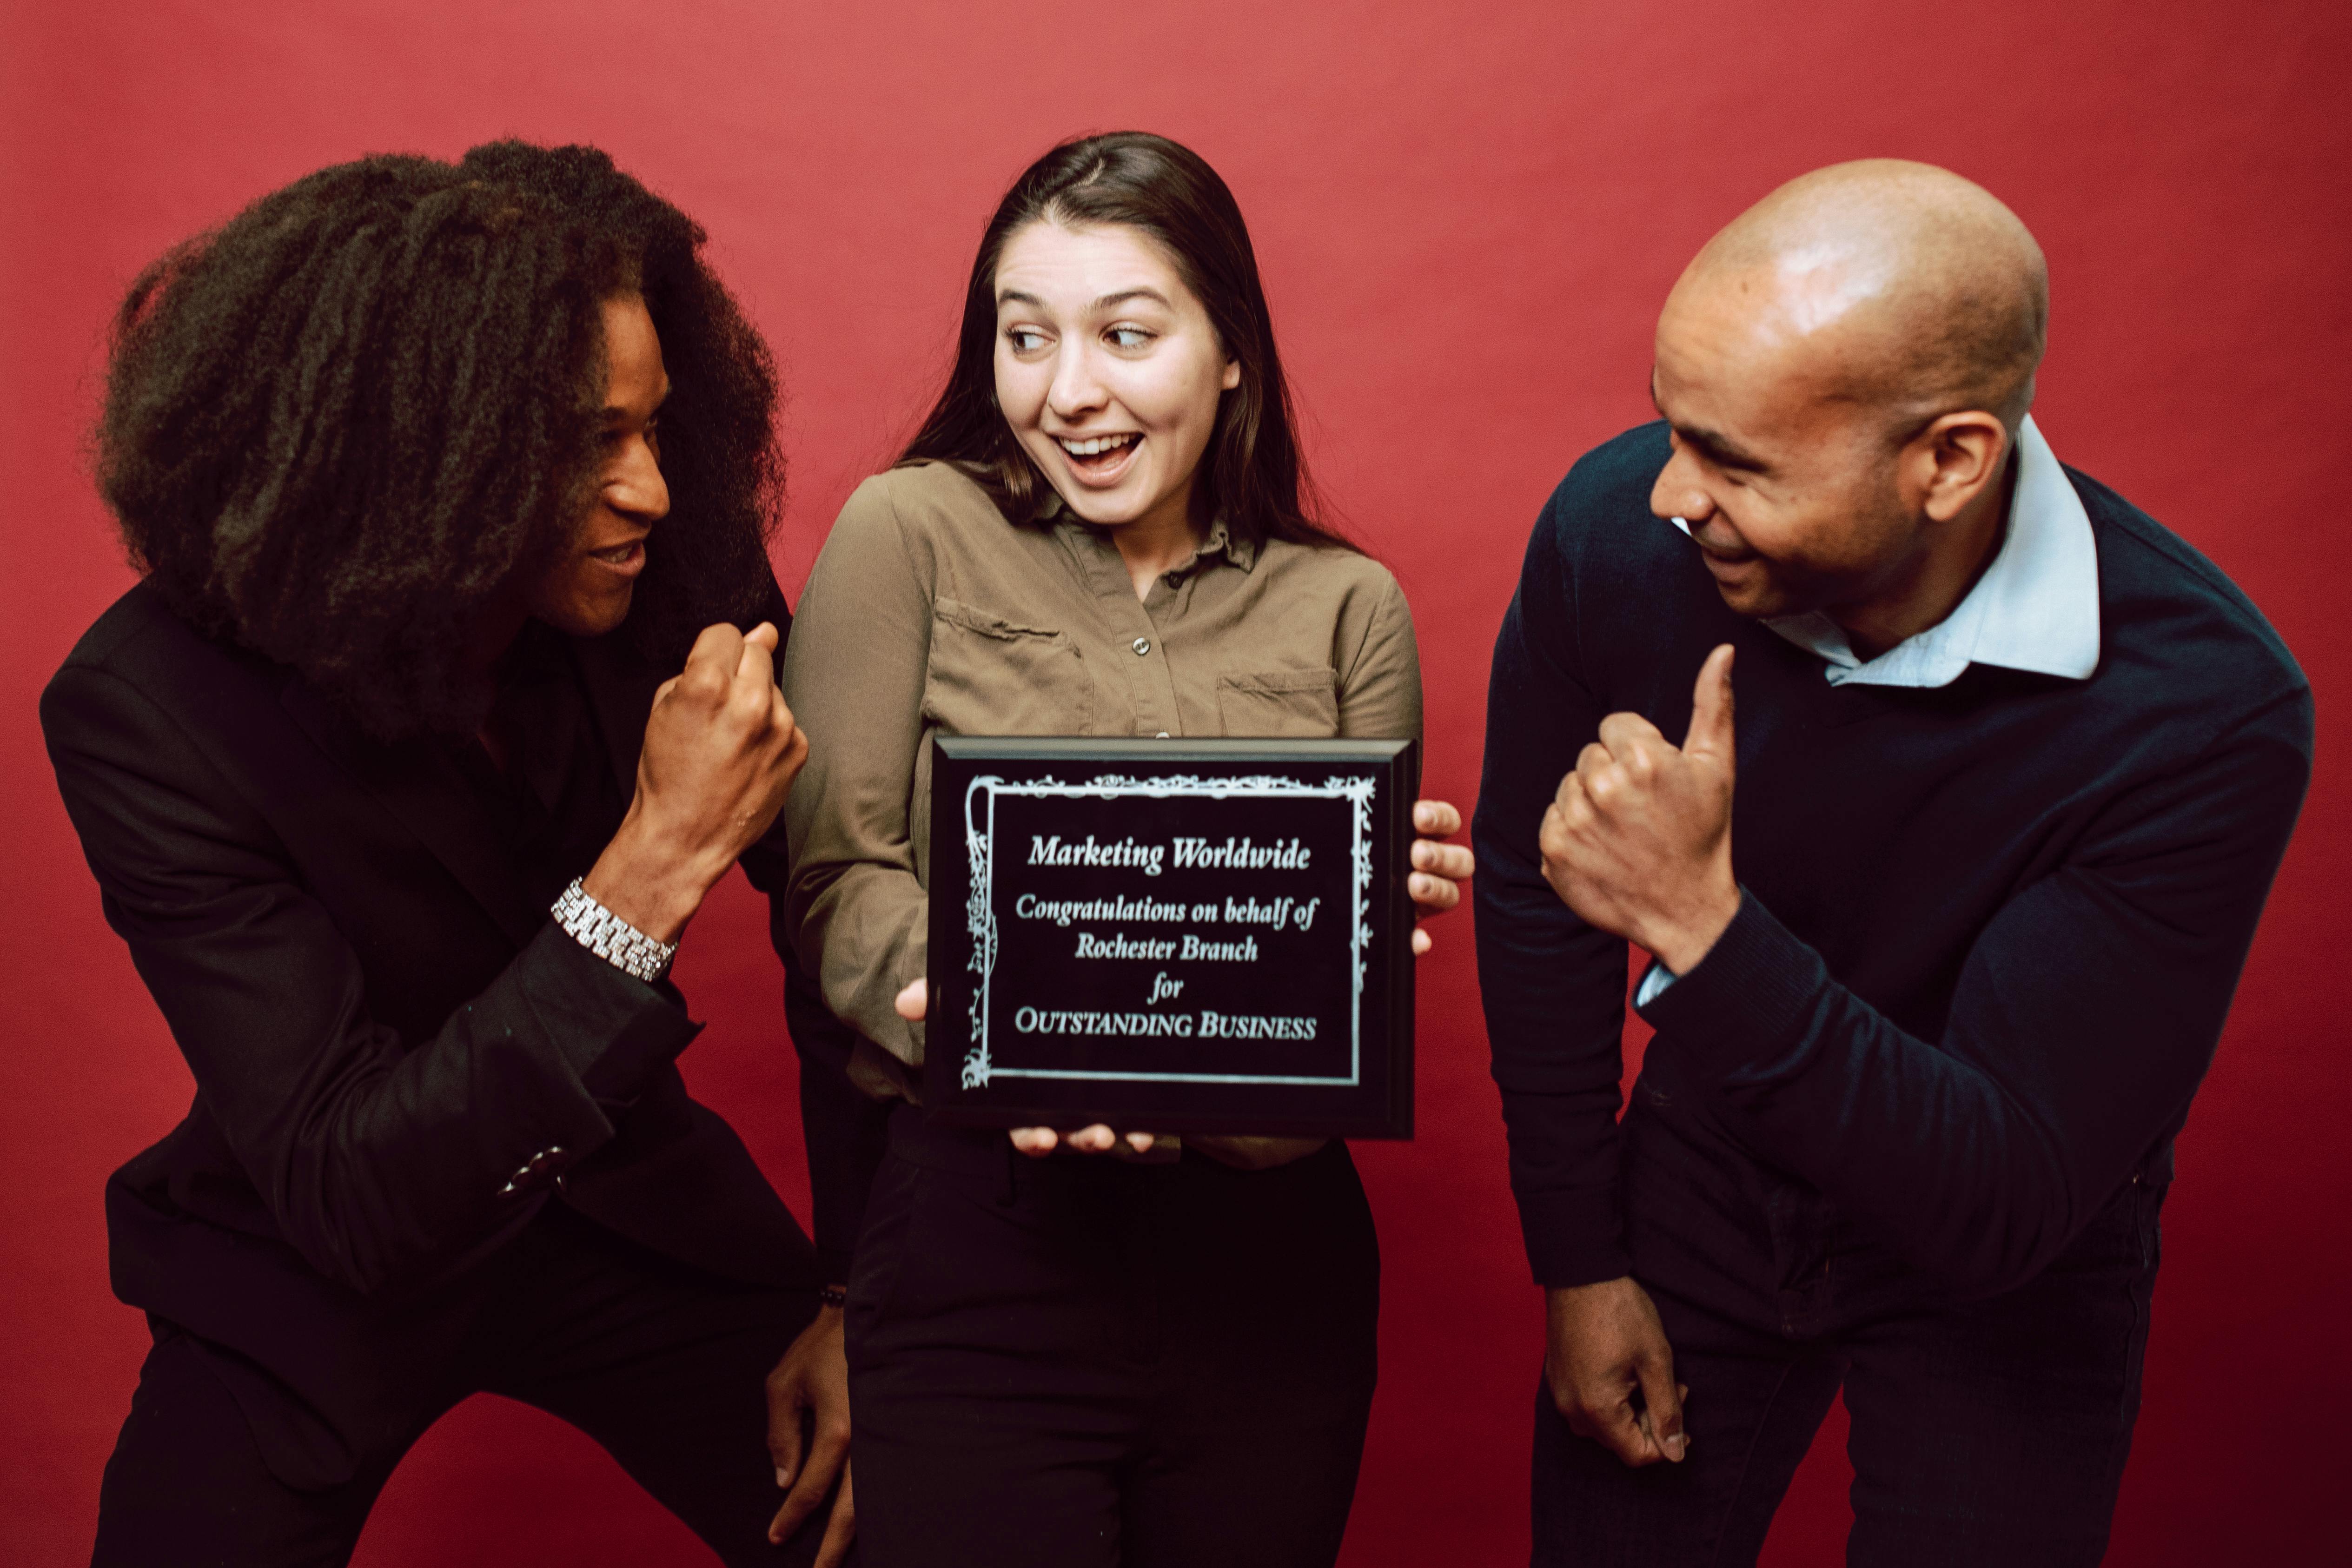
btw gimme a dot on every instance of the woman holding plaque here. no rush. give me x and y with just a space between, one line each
1102 528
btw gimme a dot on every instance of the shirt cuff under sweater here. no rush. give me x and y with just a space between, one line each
1752 995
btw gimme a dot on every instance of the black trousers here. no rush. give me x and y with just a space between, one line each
661 1363
1080 1361
1990 1432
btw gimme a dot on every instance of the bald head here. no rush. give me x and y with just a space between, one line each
1844 370
1887 283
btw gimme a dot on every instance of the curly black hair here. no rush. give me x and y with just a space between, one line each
335 426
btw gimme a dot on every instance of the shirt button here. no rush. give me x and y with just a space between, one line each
1142 645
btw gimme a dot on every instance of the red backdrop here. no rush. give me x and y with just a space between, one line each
1467 218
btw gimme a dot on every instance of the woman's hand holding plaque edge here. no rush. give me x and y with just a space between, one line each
1439 869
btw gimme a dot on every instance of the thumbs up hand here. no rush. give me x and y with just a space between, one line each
1638 841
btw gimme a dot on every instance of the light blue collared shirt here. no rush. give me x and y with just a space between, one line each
2035 608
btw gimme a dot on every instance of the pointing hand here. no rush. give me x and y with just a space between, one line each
1638 841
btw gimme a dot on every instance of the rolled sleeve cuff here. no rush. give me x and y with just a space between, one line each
1749 998
1574 1238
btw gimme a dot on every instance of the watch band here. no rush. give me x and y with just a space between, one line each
610 937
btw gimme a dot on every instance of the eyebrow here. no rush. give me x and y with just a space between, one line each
614 411
1715 447
1124 295
1016 296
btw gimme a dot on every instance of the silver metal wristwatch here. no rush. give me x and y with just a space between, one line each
610 937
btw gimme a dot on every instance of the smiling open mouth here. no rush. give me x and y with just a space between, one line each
1099 454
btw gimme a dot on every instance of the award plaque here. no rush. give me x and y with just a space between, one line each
1208 937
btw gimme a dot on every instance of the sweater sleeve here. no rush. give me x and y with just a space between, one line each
1554 987
2086 1016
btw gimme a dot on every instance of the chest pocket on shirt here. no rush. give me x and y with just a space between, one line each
989 676
1292 703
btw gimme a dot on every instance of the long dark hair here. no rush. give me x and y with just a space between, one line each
1252 473
335 426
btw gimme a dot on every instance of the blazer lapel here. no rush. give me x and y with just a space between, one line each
426 791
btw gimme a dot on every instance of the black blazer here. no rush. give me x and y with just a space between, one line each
397 1053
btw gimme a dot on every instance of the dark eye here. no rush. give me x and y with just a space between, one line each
1128 337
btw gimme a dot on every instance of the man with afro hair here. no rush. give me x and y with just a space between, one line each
445 695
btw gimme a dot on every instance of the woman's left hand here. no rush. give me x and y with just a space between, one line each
1438 868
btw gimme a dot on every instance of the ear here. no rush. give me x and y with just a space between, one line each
1233 376
1957 457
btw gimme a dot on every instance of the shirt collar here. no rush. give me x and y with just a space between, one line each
1222 541
2035 608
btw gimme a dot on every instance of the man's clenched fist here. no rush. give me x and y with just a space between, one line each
1638 841
721 751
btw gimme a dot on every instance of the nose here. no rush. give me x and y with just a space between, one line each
634 485
1078 390
1679 492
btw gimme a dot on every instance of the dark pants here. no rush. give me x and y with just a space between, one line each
1080 1361
662 1364
1990 1432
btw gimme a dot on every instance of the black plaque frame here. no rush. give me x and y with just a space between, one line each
979 1072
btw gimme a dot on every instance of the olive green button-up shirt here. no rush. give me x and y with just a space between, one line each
929 611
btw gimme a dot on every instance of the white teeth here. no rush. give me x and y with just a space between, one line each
1097 445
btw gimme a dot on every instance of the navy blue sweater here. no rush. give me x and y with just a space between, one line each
1989 930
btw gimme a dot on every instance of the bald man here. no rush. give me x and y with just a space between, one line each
1941 929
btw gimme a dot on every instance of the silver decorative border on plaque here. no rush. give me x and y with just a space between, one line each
980 922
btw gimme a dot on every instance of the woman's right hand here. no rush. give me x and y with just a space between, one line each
720 753
1034 1142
